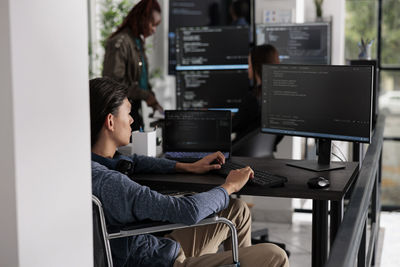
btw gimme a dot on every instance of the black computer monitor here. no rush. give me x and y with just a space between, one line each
324 102
212 48
305 43
375 92
211 89
195 13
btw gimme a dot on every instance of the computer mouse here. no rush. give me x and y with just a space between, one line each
318 182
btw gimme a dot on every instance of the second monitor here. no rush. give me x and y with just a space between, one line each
204 89
305 43
324 102
212 48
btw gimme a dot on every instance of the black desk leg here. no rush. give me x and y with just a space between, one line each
319 252
336 218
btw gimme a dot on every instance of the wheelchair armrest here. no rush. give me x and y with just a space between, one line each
143 224
149 223
105 234
148 226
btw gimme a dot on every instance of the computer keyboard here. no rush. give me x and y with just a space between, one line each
261 178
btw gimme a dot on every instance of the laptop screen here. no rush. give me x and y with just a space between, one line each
197 131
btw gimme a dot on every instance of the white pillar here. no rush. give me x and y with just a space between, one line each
337 9
45 192
8 217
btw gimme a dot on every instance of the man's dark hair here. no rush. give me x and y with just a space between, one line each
106 95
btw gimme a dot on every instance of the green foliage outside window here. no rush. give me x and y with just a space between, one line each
112 14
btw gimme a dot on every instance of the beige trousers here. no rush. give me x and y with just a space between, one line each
199 245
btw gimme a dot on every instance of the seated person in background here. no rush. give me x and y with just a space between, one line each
248 118
124 201
238 10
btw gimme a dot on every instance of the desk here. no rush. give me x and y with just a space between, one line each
296 187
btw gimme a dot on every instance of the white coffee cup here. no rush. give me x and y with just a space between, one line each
144 143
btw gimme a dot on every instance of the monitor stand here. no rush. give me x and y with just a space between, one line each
324 159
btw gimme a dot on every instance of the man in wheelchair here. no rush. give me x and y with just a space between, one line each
124 201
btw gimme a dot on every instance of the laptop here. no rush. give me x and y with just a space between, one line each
189 135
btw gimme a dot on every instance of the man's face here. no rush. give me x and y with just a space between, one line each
122 124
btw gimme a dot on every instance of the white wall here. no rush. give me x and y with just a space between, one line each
45 138
261 5
335 10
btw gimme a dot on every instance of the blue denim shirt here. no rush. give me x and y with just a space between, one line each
125 201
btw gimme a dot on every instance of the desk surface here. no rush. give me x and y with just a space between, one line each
296 187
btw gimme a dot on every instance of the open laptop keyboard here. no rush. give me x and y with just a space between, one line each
180 155
189 156
261 178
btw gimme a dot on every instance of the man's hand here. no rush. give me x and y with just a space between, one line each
203 165
237 179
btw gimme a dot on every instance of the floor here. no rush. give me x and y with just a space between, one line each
297 237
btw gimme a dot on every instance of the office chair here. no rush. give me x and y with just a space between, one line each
255 144
102 235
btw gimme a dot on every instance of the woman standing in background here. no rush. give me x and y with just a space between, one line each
125 59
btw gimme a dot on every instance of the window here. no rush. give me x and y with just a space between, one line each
390 41
389 60
361 22
390 46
